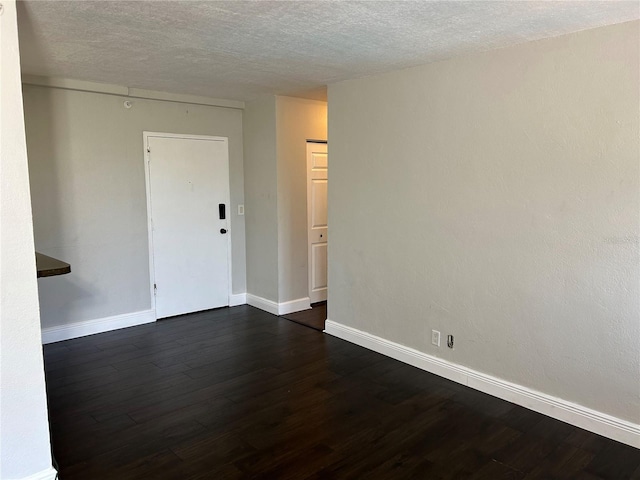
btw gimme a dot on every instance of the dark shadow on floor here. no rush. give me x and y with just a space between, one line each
313 318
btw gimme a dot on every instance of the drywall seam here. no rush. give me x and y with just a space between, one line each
121 90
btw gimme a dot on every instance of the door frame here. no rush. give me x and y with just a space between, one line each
309 273
147 177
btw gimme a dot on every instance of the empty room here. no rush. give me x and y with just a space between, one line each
319 240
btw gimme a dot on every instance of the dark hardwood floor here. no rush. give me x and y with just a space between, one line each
313 318
239 393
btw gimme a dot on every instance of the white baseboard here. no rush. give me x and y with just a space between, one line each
48 474
100 325
236 299
278 308
578 415
89 327
262 304
294 306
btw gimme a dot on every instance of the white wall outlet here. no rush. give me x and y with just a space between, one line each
435 337
240 209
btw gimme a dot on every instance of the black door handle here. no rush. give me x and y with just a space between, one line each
223 231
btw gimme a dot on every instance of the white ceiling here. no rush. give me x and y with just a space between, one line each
242 49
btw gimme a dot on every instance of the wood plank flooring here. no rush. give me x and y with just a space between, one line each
313 318
239 393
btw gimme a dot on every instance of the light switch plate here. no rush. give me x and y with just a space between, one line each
240 209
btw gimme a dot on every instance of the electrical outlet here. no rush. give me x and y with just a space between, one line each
435 337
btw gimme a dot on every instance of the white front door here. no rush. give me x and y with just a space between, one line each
317 169
188 189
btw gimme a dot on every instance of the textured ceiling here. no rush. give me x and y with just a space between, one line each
242 49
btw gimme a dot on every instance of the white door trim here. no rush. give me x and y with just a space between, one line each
309 160
147 178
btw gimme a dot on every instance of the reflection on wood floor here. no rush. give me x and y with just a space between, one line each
238 393
313 318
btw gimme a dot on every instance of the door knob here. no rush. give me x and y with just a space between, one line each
223 230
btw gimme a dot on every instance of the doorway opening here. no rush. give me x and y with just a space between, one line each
317 225
317 234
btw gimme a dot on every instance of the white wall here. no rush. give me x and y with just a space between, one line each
24 431
261 207
497 198
276 130
89 203
298 120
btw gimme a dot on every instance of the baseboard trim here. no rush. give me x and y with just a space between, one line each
90 327
262 303
48 474
572 413
236 299
292 306
278 308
